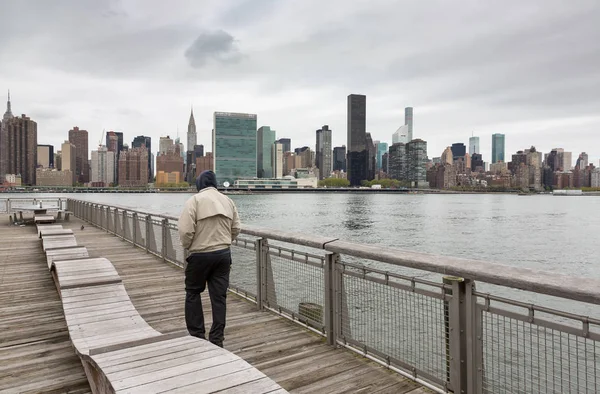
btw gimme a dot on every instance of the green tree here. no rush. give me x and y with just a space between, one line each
334 182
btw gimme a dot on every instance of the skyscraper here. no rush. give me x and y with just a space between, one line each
234 146
147 142
324 152
192 137
497 148
45 156
417 163
458 150
20 137
582 160
473 145
103 169
265 138
164 145
401 135
398 162
4 139
69 159
287 144
79 138
133 169
372 157
358 152
339 158
382 148
277 160
408 120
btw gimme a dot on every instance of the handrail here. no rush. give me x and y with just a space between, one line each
537 281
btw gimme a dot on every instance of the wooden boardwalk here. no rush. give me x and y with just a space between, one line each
36 353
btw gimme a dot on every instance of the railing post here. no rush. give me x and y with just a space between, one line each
124 225
474 334
456 334
330 299
164 239
148 224
133 228
259 243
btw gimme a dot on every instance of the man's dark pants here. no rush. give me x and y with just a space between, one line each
211 267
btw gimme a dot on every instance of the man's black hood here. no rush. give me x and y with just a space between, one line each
206 179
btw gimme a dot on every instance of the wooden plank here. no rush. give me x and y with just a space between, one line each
263 385
55 232
41 227
222 382
172 378
55 244
148 350
147 341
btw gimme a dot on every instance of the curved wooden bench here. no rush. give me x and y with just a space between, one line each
61 254
41 227
43 232
58 241
120 352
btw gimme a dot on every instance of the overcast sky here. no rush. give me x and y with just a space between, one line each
528 69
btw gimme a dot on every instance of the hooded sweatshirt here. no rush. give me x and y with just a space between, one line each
209 221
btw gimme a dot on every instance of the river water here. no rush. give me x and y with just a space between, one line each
554 234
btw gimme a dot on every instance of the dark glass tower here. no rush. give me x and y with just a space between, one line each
358 152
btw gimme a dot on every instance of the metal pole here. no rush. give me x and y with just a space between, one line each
330 296
474 339
133 228
258 244
148 224
164 240
456 332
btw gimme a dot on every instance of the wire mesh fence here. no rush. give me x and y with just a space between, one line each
294 284
397 319
243 277
522 353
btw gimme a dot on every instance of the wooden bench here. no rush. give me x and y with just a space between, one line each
58 241
42 226
44 219
62 254
121 353
55 232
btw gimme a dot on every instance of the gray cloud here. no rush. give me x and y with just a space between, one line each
218 46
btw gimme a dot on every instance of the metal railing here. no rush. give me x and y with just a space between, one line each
381 303
10 205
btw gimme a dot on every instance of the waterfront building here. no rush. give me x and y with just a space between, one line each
357 161
140 141
474 145
287 144
595 178
285 183
277 160
498 144
163 178
385 160
69 160
133 168
192 136
265 138
103 167
114 141
381 148
305 157
417 163
45 156
534 169
171 161
566 160
339 158
52 177
398 162
324 152
204 163
58 160
234 146
79 138
442 176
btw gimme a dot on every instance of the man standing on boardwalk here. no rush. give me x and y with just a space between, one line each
208 224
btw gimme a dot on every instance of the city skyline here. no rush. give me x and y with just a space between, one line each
146 68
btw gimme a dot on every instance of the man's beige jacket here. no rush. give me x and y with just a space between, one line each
209 222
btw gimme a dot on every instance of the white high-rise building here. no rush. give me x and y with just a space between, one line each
473 145
277 160
401 136
104 166
164 145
